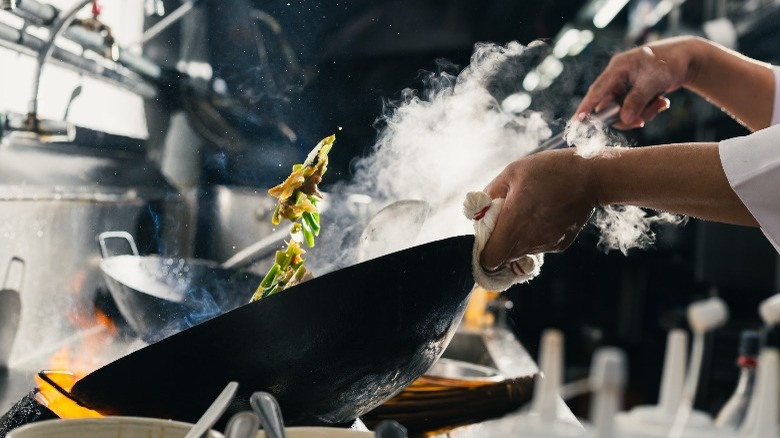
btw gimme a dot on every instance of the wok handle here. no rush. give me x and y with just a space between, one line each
44 375
14 261
102 237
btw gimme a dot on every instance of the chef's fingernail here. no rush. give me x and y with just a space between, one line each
581 116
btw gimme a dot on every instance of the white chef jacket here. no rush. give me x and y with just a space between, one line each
752 166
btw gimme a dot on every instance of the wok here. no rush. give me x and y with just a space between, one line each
329 350
159 296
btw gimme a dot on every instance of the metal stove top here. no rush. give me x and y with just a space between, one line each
14 384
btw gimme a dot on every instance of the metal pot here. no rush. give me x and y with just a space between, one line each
160 296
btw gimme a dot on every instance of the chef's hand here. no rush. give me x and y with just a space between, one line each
639 78
548 200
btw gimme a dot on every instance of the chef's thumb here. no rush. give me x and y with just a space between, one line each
495 254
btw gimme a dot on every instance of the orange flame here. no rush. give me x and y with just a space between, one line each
75 360
57 402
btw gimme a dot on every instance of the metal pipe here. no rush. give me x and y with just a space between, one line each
163 24
16 40
95 42
44 12
10 33
45 53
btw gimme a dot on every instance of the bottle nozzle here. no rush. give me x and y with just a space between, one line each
770 310
706 315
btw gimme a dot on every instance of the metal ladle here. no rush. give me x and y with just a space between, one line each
267 408
393 228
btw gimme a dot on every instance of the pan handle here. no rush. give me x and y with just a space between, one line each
14 261
44 375
102 237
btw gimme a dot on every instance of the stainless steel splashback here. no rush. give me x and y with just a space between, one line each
54 200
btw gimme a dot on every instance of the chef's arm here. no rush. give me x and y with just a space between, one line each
638 78
680 178
551 195
741 86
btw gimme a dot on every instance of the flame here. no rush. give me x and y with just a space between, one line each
57 402
76 359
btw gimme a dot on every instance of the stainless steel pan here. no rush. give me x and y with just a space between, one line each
160 296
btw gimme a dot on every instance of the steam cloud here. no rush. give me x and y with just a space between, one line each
622 227
451 138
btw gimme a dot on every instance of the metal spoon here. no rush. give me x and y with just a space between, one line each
393 228
214 411
266 407
242 425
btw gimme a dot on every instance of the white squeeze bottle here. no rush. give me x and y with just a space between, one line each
732 414
607 381
762 416
674 416
547 417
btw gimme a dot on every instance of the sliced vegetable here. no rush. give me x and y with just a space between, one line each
298 197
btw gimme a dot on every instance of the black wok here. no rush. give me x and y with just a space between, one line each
330 349
160 296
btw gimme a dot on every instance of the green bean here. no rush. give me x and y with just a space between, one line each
269 292
312 223
282 259
269 277
308 236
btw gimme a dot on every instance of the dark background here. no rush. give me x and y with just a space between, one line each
353 55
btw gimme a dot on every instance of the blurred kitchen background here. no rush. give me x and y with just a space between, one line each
175 133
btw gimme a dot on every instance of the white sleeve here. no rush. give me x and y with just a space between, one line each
776 105
752 166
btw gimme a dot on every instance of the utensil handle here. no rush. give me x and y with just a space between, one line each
242 425
214 411
14 261
608 116
102 237
270 414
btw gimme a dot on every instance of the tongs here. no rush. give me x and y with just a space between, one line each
608 116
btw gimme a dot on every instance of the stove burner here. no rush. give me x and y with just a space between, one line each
25 411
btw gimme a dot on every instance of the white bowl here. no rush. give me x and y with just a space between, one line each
106 427
321 432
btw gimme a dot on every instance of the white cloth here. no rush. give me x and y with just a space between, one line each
484 212
752 166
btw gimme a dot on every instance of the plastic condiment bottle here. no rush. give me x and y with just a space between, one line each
607 381
547 416
732 414
675 414
762 416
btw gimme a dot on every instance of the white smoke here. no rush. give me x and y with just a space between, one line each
449 139
624 227
621 227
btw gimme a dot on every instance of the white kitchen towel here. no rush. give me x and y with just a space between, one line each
484 212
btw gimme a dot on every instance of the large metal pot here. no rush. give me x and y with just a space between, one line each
329 350
160 296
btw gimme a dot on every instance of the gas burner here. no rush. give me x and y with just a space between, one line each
27 410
